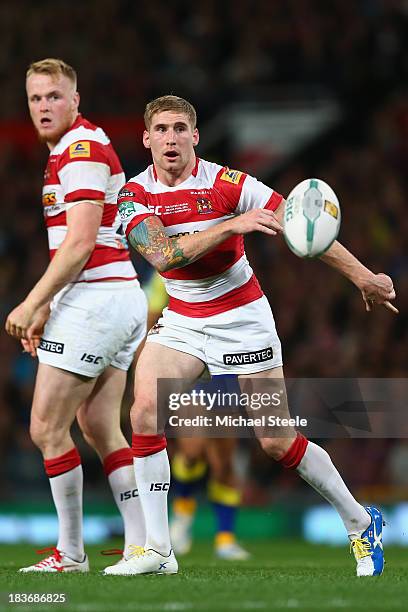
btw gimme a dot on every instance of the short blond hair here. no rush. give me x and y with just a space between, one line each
54 67
173 104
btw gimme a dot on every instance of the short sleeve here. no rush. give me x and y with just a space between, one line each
239 192
84 171
255 194
133 206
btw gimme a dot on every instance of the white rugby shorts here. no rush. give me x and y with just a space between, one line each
94 325
240 341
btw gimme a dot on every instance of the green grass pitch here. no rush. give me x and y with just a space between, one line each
281 575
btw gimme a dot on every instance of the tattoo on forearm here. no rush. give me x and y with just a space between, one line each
149 239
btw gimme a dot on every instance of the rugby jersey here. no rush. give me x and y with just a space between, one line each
84 166
222 279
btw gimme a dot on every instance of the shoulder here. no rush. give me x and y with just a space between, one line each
84 142
136 188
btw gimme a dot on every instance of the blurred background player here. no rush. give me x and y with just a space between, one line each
189 464
191 459
86 338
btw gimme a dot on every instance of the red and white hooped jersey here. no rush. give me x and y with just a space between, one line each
222 279
84 166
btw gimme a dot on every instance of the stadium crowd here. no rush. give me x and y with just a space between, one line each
213 55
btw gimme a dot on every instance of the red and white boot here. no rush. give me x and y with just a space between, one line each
57 562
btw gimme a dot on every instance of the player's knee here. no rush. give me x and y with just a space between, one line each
143 416
90 440
93 430
44 433
275 448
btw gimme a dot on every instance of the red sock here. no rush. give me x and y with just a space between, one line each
117 459
295 452
145 445
63 463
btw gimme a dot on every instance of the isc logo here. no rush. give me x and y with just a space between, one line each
157 210
159 486
129 494
90 358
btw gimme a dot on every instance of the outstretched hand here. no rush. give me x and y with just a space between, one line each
379 290
257 220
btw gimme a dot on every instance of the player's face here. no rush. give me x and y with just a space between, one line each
53 104
171 139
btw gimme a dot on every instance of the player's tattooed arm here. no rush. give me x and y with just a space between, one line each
166 253
150 240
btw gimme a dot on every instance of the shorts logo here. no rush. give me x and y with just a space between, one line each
331 208
231 176
204 206
49 199
51 347
126 209
91 358
80 149
244 358
155 329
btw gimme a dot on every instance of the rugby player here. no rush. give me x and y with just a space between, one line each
187 216
85 317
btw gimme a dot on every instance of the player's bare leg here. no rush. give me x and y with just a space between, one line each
99 419
57 395
315 467
151 462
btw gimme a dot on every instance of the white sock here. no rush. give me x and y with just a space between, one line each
123 485
153 481
66 491
317 469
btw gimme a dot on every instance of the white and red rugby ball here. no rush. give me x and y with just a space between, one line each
312 218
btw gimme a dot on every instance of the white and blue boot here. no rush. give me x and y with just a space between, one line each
141 561
368 548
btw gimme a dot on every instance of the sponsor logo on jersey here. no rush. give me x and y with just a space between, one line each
169 209
126 209
126 194
80 149
252 357
51 346
49 199
331 208
183 234
231 176
204 206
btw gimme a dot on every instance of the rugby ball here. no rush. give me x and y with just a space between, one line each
312 218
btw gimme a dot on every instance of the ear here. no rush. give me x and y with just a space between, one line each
146 139
76 99
196 137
